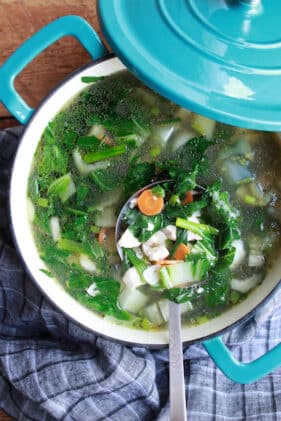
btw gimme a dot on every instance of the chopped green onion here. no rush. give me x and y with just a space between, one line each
42 202
91 157
70 245
91 79
47 272
196 228
76 211
174 200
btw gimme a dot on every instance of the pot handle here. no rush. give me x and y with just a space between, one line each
238 371
66 25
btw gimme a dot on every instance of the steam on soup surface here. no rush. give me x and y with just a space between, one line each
118 136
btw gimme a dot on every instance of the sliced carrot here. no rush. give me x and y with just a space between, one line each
102 236
149 204
181 251
188 198
166 262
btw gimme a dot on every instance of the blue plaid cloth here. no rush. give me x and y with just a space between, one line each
52 369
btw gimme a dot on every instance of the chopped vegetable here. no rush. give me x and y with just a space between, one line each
91 79
91 157
63 187
188 198
204 247
203 125
150 204
132 300
181 252
201 229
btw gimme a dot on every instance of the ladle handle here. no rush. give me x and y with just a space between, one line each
240 372
67 25
176 370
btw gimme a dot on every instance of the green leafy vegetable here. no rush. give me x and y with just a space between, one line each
70 245
142 226
197 228
139 175
91 79
139 264
158 191
105 180
92 157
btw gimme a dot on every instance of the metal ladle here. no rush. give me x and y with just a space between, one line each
176 369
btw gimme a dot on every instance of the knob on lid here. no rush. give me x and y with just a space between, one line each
220 58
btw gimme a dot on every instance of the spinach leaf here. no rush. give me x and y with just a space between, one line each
139 175
105 180
106 299
142 226
172 212
217 289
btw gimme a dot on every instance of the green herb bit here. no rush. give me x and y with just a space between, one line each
70 245
155 151
43 202
94 229
78 281
158 191
76 212
174 200
47 272
92 157
197 228
91 79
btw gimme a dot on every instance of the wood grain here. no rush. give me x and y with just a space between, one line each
19 20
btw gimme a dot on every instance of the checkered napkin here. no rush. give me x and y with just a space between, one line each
52 369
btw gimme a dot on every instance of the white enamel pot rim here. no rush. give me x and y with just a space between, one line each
48 108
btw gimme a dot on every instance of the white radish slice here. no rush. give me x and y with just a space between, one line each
55 228
87 263
30 210
245 285
151 275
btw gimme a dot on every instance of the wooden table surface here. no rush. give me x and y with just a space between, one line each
21 18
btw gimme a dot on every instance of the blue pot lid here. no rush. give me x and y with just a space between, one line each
219 58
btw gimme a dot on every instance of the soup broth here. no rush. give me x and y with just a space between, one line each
204 251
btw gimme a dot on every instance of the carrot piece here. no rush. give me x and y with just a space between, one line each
149 204
188 198
167 262
181 251
102 236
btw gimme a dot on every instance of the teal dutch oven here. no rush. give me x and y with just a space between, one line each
131 28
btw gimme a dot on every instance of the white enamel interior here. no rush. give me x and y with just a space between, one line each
30 255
